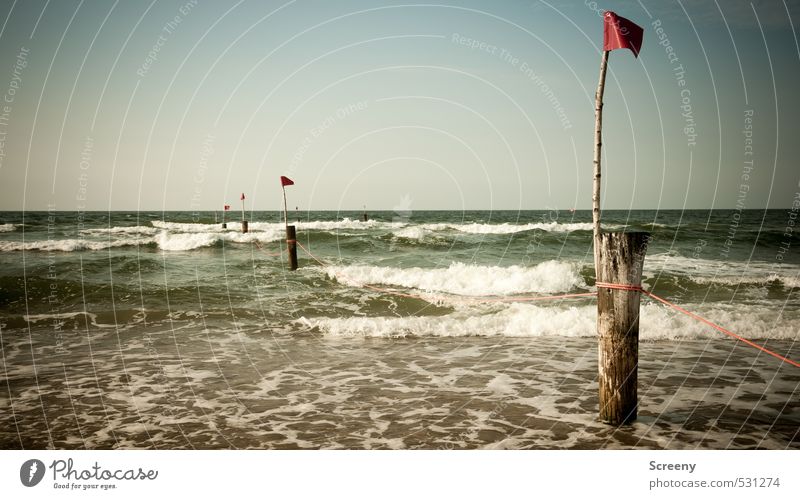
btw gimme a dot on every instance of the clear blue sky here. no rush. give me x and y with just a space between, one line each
182 105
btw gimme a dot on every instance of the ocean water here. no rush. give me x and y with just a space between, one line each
163 330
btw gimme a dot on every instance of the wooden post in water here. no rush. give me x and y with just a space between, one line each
291 234
621 259
291 246
244 222
618 259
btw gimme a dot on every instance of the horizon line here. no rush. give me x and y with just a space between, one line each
392 210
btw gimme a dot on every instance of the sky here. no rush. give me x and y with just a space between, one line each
458 105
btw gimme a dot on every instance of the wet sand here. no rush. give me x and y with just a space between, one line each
217 388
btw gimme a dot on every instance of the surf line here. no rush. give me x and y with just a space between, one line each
446 298
599 285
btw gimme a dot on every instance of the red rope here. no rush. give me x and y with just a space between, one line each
629 287
623 287
258 245
311 255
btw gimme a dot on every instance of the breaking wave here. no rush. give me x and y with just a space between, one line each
526 320
726 273
71 244
467 279
163 240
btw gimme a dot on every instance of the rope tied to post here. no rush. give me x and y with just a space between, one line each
622 287
261 248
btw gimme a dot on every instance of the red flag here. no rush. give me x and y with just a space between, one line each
286 181
242 198
227 207
620 33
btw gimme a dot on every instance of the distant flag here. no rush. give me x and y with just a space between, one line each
242 198
621 33
284 182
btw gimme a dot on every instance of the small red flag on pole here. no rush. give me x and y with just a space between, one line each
284 182
621 33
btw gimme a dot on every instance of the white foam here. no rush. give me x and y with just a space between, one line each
412 232
138 229
764 279
184 242
729 273
60 316
321 225
467 279
526 320
191 227
507 228
403 229
131 236
70 244
188 241
347 223
8 227
515 321
502 384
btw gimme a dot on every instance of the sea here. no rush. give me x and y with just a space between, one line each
411 330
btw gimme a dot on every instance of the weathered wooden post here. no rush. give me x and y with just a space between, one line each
291 246
618 260
621 259
244 222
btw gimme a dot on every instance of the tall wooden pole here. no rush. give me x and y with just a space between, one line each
598 144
